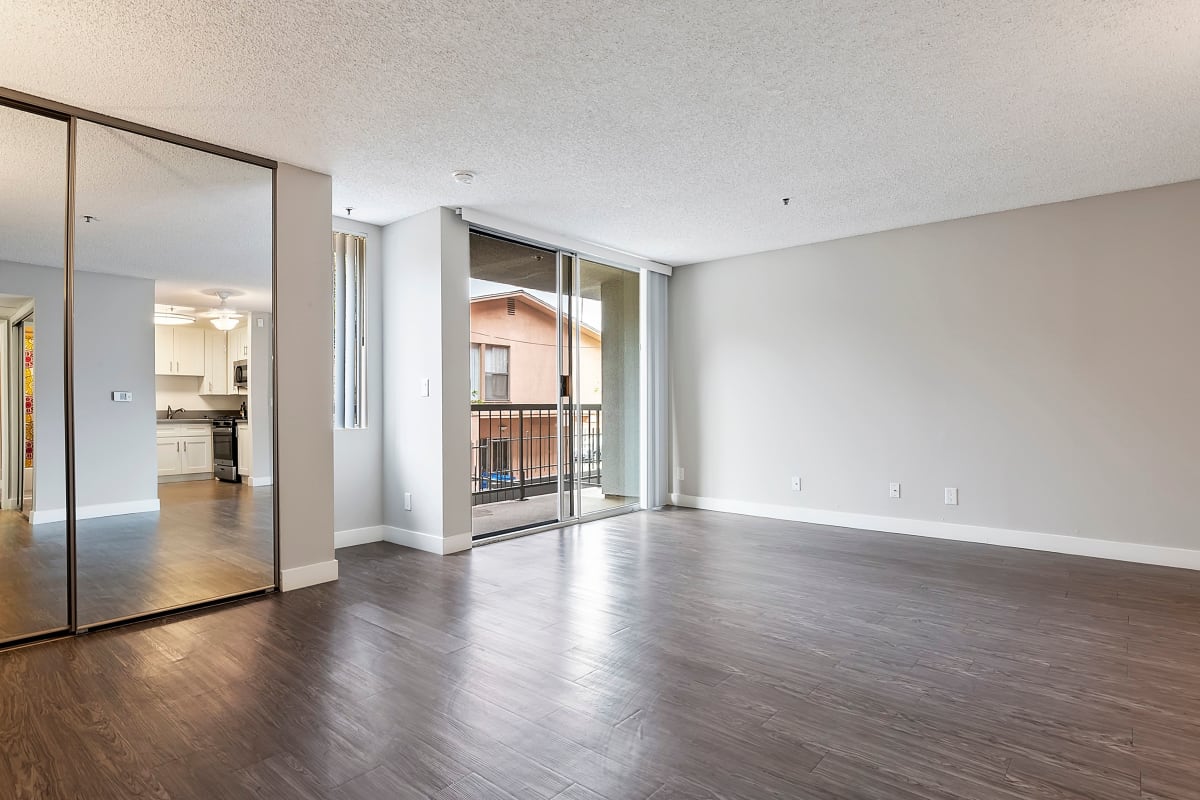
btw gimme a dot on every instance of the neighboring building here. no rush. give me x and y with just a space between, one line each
514 351
514 361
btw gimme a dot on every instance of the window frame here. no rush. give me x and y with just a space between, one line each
488 376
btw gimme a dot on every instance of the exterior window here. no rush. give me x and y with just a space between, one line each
495 373
475 396
350 331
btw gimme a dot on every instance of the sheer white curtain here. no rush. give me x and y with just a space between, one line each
349 331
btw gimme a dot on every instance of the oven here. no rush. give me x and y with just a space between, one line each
225 449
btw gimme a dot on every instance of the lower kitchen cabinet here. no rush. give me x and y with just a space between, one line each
184 450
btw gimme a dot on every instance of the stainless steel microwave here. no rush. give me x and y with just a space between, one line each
241 374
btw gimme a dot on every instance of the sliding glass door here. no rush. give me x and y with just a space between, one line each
555 366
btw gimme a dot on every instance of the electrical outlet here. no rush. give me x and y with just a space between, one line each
795 483
951 496
679 473
408 501
894 490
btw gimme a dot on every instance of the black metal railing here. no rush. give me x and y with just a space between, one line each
514 449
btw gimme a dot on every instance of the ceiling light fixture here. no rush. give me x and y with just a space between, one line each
169 315
465 177
223 318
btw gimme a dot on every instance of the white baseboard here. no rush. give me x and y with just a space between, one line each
250 480
38 517
430 543
1026 540
309 575
349 538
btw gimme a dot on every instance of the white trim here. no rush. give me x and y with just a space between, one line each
308 575
354 536
430 543
980 534
250 480
584 248
94 511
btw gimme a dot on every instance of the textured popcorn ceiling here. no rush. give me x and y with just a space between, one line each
188 220
669 129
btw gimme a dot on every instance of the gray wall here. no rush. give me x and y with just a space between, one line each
45 286
304 360
115 459
358 453
114 350
1040 360
426 335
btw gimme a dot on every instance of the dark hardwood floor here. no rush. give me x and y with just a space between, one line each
208 540
671 655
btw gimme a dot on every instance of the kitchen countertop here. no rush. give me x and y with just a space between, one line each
196 421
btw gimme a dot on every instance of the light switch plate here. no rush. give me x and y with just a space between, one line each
951 496
425 387
894 490
122 397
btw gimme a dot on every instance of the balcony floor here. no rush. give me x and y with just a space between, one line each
509 514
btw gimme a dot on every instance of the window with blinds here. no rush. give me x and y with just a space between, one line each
349 331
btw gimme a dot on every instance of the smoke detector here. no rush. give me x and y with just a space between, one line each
465 177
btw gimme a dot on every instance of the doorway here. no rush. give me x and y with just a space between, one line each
554 383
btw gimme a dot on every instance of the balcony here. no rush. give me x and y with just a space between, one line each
514 463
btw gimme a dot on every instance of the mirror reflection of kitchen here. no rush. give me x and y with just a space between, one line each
174 248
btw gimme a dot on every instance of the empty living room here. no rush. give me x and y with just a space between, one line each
531 400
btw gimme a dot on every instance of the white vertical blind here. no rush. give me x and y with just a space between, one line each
654 385
350 330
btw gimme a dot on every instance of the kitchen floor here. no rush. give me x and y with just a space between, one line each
209 539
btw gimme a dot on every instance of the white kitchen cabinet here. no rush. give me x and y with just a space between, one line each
170 457
245 454
216 364
164 350
184 449
197 454
238 350
178 350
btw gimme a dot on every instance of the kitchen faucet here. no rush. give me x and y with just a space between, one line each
172 412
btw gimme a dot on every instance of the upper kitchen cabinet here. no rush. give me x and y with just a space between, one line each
178 351
239 344
239 350
216 363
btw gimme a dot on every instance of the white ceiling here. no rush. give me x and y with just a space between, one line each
189 220
671 129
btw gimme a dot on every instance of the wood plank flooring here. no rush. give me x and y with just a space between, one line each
672 655
209 539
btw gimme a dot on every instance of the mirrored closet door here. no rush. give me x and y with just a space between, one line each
173 363
34 563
